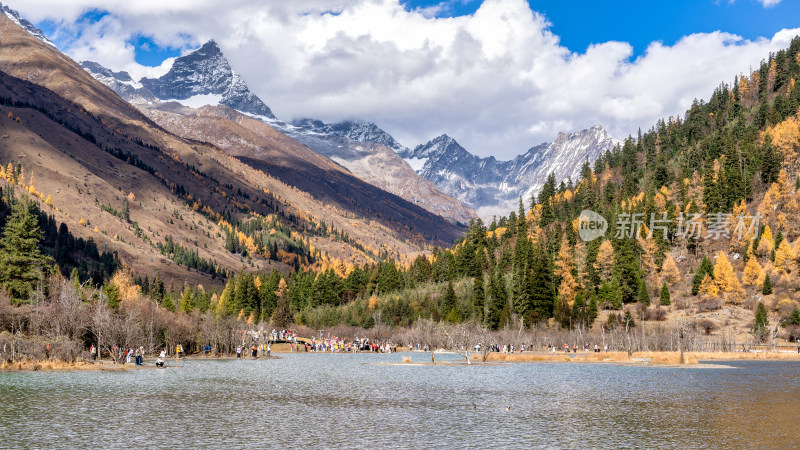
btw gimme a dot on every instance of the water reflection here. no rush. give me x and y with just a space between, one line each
325 400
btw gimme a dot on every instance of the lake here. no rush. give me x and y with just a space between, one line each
345 400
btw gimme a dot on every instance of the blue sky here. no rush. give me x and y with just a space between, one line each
580 23
499 81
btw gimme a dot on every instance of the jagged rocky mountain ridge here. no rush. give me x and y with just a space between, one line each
486 182
25 24
362 148
357 131
419 175
201 77
476 182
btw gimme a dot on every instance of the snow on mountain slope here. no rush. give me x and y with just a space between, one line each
204 77
369 153
26 25
357 131
489 185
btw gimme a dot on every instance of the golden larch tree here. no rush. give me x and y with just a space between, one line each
784 258
669 270
725 278
753 273
708 288
605 260
767 242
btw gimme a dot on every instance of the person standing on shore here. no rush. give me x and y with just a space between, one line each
239 352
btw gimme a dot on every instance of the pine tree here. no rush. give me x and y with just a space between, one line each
766 289
478 297
761 320
125 213
186 304
562 313
548 192
542 289
592 309
282 317
706 268
22 264
771 162
643 294
794 318
494 313
665 297
448 303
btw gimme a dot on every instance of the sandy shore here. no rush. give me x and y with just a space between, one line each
62 366
639 358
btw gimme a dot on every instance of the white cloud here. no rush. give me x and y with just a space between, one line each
769 3
498 80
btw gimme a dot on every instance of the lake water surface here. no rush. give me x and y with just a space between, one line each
344 401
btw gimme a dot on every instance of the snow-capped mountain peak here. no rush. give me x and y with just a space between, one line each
355 130
486 182
26 25
205 75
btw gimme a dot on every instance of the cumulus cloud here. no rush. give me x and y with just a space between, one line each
769 3
497 80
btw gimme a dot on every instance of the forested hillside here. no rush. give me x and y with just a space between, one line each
703 213
702 216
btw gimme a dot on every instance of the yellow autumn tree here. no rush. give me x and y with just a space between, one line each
708 288
725 278
565 264
786 137
784 258
753 273
125 284
648 260
783 186
49 201
767 242
669 270
373 302
767 204
605 260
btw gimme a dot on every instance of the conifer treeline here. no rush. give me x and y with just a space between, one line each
735 154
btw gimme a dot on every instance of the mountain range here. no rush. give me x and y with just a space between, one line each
204 77
441 176
189 203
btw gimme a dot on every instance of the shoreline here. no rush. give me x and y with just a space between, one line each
639 359
690 359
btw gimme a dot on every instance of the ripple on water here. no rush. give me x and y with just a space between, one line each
326 400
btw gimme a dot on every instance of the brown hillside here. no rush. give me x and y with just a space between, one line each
122 151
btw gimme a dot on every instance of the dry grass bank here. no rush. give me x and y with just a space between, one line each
28 365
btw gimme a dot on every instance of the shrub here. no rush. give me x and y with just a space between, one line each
709 304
